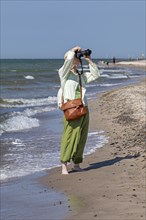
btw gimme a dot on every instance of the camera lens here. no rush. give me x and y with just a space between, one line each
87 52
79 54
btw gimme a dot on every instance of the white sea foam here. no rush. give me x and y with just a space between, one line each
19 123
95 133
29 158
91 95
86 66
18 142
29 77
103 85
96 140
117 71
109 84
34 111
26 163
116 76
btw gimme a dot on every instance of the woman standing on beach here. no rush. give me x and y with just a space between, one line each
75 132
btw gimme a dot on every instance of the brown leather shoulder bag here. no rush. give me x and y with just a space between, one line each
74 109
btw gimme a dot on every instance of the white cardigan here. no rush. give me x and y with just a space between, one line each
70 81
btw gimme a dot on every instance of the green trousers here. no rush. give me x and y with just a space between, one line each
74 139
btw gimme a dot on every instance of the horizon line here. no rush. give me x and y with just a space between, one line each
29 58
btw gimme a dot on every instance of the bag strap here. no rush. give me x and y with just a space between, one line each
79 74
80 82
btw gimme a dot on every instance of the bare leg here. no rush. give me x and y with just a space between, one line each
64 168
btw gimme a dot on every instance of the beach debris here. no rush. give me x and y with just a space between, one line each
134 195
119 194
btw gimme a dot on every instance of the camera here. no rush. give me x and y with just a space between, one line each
79 54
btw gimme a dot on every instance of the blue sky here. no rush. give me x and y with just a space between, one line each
47 29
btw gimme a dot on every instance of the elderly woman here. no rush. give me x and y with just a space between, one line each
75 132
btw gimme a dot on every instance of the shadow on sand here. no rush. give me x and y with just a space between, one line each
109 162
106 163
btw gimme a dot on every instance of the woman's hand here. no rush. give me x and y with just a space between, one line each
87 58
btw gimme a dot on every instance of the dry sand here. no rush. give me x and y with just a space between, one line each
137 63
112 184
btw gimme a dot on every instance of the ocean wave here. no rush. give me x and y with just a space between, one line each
98 139
22 120
18 142
9 103
30 156
116 76
95 133
18 123
103 84
29 77
117 71
26 164
109 84
13 70
31 112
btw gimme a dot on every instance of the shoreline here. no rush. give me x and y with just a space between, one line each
104 166
133 64
111 185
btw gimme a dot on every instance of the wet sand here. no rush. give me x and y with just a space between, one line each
112 183
25 199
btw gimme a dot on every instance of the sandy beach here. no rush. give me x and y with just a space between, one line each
112 183
137 63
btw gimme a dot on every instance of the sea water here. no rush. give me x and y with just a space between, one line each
31 123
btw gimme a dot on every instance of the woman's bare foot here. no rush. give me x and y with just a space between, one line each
64 168
77 167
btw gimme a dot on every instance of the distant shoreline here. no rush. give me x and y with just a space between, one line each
135 63
118 59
